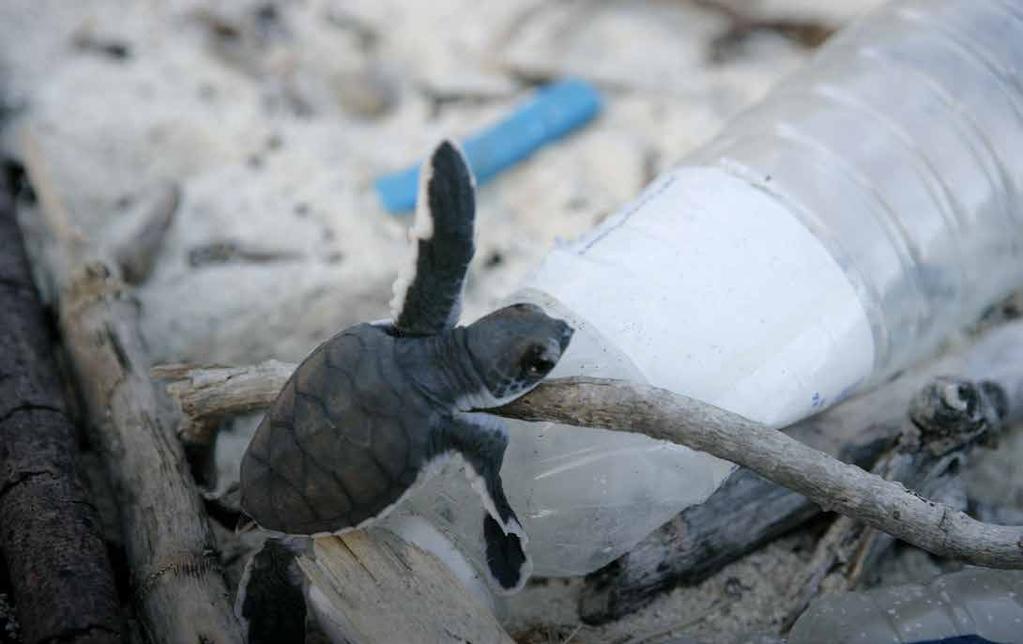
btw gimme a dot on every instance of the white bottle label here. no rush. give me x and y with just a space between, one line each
715 290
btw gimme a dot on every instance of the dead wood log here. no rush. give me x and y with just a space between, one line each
945 420
749 510
49 531
178 583
371 586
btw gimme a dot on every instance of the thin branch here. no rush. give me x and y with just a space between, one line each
660 414
207 395
946 419
136 253
830 483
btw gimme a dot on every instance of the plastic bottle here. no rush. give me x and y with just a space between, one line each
871 205
985 603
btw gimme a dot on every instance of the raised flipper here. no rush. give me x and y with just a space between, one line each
481 440
271 599
428 298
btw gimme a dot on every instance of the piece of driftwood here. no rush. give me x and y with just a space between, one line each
178 584
49 530
945 420
371 586
136 254
749 510
831 484
210 394
775 456
836 486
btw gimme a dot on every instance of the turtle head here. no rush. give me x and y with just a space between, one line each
514 348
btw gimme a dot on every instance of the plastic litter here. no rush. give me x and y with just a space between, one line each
554 111
975 602
869 207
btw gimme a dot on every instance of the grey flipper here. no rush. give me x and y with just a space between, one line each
481 440
428 300
271 600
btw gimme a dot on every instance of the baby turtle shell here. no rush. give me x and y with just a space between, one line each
373 410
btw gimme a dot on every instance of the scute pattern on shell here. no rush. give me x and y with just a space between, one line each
337 448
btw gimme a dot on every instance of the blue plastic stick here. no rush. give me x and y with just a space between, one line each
553 112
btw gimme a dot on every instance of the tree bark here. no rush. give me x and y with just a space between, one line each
178 583
49 531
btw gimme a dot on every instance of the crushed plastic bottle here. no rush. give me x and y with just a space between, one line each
870 206
984 603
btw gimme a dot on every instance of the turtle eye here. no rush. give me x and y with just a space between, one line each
536 363
540 367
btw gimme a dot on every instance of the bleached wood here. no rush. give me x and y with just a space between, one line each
946 419
208 394
383 589
832 484
177 580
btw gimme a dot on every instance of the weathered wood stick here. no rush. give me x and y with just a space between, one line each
833 485
370 586
177 580
774 455
945 420
748 510
209 394
49 530
871 415
136 254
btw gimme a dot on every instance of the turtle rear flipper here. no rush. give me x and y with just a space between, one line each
506 559
428 300
481 440
271 598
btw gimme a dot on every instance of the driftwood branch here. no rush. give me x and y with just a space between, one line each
210 394
833 485
136 253
49 531
177 580
945 420
829 483
749 510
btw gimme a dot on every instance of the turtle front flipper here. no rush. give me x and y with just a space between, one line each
428 299
481 440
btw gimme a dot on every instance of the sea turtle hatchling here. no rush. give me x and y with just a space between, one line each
373 411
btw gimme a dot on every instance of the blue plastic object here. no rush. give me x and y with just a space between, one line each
553 112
